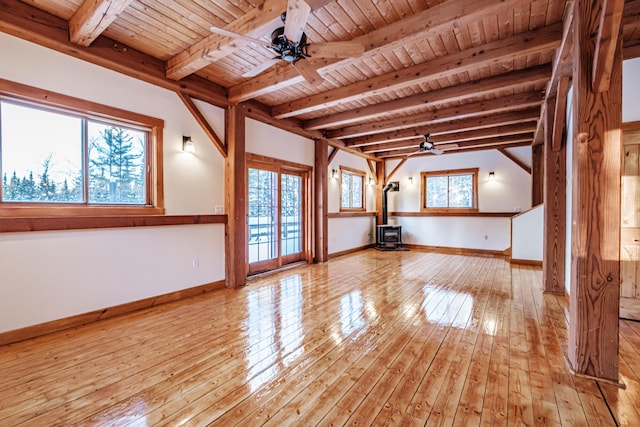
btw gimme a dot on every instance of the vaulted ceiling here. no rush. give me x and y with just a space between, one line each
472 74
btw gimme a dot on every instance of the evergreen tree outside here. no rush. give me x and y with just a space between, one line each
116 165
46 163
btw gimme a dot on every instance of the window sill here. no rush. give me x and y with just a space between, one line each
462 213
348 214
52 223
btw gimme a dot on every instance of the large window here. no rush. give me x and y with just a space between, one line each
57 157
450 191
352 182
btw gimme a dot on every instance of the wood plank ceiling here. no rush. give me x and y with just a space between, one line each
473 73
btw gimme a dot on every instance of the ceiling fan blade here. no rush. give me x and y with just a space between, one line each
447 146
435 151
297 14
227 33
261 68
309 73
336 49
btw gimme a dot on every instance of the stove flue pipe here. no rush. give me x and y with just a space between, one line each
386 188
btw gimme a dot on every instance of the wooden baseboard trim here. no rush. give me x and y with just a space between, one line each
349 251
526 262
457 251
106 313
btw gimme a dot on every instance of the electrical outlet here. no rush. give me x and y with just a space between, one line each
195 263
486 237
219 210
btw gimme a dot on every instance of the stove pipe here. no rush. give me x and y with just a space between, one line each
392 186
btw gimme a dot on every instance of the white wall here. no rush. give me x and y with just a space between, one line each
509 192
344 158
527 231
631 90
569 192
270 141
50 275
349 233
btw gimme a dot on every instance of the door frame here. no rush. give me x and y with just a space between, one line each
257 161
629 306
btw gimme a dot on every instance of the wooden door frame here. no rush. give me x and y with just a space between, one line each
284 166
628 306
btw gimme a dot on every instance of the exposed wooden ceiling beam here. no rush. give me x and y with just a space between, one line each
433 98
256 23
480 108
608 37
414 28
515 160
257 111
411 152
631 27
92 18
333 155
457 137
520 45
488 122
560 112
562 65
204 123
632 51
26 22
383 151
340 145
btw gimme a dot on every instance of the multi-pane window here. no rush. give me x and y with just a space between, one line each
352 182
58 156
455 190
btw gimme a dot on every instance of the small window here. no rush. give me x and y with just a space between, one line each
450 191
56 158
352 189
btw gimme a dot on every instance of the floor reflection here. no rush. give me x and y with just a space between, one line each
446 307
351 306
275 329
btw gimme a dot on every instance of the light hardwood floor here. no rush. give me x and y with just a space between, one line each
371 338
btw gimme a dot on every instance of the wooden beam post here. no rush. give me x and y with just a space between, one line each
381 182
555 204
236 204
595 247
537 174
321 223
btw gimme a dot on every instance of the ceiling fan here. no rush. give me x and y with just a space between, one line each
427 146
290 44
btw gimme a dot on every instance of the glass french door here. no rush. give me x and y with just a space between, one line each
276 220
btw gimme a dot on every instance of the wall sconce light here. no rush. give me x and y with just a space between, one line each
334 173
370 181
188 146
410 180
492 176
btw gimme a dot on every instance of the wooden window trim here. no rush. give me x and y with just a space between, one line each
361 174
41 98
448 210
283 166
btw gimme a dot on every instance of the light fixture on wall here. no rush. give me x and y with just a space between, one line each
492 176
188 146
370 181
410 180
334 173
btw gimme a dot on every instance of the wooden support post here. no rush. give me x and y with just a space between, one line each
555 203
595 246
321 184
381 181
537 174
236 203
